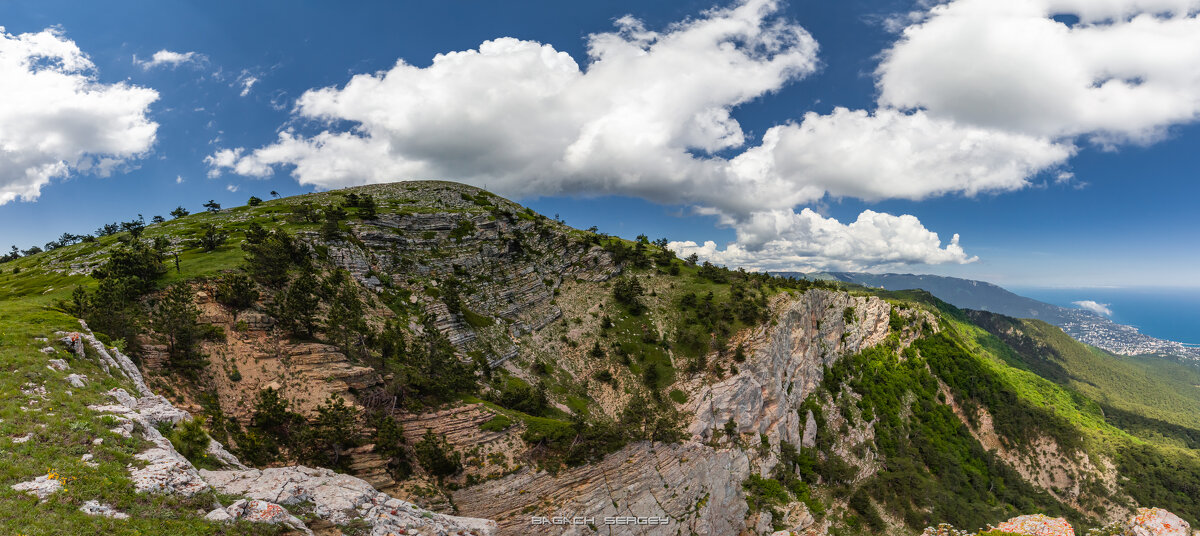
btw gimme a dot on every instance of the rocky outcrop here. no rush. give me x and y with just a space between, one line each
343 499
697 484
1145 522
165 470
698 489
811 333
258 512
1037 525
340 499
1155 522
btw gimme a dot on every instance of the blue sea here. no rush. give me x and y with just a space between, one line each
1165 313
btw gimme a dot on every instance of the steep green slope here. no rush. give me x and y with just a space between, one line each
1152 398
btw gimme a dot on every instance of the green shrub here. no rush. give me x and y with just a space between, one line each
190 440
437 456
498 423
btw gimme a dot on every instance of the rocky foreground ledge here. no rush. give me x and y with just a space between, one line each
1145 522
318 494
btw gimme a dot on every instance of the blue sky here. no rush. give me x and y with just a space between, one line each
1101 198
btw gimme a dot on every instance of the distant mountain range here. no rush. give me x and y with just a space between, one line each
1085 326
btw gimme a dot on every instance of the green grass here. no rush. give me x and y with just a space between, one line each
477 320
64 429
499 423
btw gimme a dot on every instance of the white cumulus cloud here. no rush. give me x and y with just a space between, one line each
169 58
651 114
57 120
1095 307
1125 72
787 240
527 120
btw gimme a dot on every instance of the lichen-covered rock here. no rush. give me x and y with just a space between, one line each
1037 525
258 511
342 499
1156 522
57 364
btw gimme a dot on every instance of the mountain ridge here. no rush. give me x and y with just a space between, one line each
469 356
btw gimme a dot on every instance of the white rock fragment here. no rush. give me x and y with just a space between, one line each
22 439
40 487
219 515
1156 522
94 508
77 380
47 350
57 364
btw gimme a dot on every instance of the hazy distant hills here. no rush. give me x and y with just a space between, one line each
966 294
1084 326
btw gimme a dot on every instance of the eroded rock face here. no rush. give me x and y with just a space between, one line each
811 333
342 499
698 484
698 487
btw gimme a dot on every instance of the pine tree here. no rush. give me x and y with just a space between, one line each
175 320
346 321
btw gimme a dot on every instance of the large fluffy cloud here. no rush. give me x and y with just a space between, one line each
893 155
1127 70
525 119
786 240
976 96
56 119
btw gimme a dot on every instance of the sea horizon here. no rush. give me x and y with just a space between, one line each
1170 313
